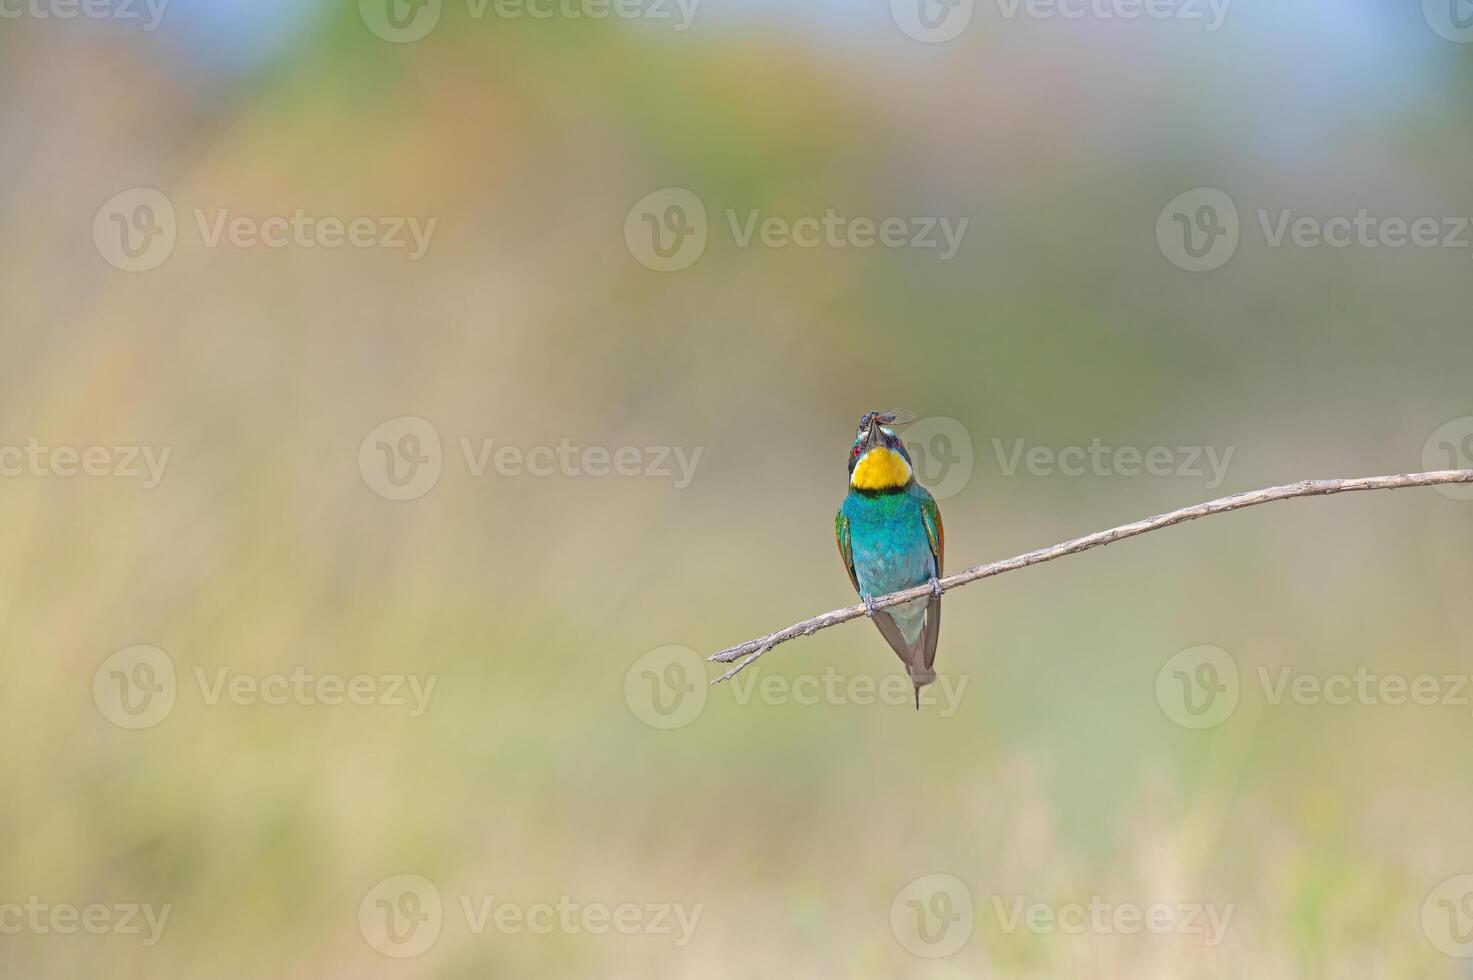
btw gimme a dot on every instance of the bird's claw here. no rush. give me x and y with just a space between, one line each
935 587
869 605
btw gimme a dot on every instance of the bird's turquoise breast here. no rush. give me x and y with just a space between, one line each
887 537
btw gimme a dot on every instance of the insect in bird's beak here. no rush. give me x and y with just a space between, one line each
876 435
872 426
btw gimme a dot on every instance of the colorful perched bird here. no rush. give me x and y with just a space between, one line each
890 538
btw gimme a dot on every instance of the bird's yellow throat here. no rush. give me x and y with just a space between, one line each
882 468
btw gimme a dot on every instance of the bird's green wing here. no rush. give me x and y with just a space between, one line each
846 552
936 534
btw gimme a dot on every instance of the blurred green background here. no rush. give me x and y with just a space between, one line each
545 608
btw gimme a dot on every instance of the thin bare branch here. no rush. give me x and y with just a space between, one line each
753 649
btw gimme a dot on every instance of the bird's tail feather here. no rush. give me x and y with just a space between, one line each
917 656
920 674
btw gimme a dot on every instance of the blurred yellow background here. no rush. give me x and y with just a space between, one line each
619 434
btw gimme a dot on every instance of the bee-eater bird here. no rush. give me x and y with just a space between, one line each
890 538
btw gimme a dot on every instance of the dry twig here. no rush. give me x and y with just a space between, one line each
753 649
